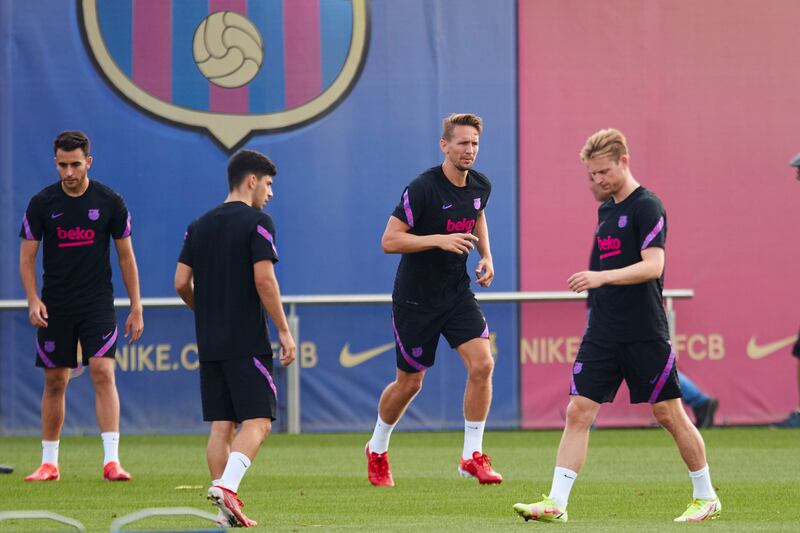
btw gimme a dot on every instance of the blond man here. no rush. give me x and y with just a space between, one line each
627 337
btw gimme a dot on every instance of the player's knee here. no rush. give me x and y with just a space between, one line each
579 416
482 370
410 384
103 378
261 427
665 416
56 385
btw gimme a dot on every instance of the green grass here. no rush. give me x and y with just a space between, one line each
633 480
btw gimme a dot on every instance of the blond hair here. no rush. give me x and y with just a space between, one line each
460 119
605 143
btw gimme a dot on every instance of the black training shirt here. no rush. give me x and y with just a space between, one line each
221 247
430 205
75 234
628 313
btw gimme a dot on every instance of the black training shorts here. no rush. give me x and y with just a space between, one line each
648 368
416 331
238 389
57 344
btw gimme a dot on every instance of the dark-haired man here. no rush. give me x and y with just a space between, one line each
75 218
439 219
226 274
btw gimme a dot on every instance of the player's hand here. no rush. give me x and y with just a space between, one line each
37 313
134 326
288 347
458 243
583 281
484 272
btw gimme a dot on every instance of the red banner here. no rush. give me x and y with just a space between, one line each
708 99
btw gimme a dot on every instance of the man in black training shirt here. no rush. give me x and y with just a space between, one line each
226 274
439 219
75 218
627 336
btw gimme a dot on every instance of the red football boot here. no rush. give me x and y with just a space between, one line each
45 472
380 475
113 471
230 506
480 466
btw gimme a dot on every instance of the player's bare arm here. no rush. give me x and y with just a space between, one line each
37 311
270 294
397 240
134 325
184 284
484 272
650 267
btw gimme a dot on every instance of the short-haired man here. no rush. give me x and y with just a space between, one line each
75 218
627 336
439 219
226 274
793 420
703 406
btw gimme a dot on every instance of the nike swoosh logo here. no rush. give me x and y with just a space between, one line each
56 215
349 360
107 335
448 206
754 351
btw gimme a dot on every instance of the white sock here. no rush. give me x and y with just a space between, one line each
473 438
237 465
379 443
110 446
50 452
701 480
563 478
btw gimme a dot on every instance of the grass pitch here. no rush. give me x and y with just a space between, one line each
633 480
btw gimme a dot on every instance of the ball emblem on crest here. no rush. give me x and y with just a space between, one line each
228 49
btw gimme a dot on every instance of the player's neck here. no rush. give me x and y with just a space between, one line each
84 185
630 185
455 176
238 196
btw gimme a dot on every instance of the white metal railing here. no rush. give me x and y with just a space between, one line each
292 301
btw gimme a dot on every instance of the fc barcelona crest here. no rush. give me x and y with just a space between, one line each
476 203
94 214
622 221
230 66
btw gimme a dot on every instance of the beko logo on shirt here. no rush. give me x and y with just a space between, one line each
75 236
610 245
463 226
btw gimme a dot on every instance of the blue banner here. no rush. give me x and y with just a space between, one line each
341 171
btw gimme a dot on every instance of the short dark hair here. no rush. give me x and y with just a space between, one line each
246 162
71 140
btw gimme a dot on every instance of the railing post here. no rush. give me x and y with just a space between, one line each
671 319
293 377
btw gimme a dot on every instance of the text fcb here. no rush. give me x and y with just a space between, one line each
230 66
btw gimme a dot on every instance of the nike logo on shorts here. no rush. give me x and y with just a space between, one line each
107 335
